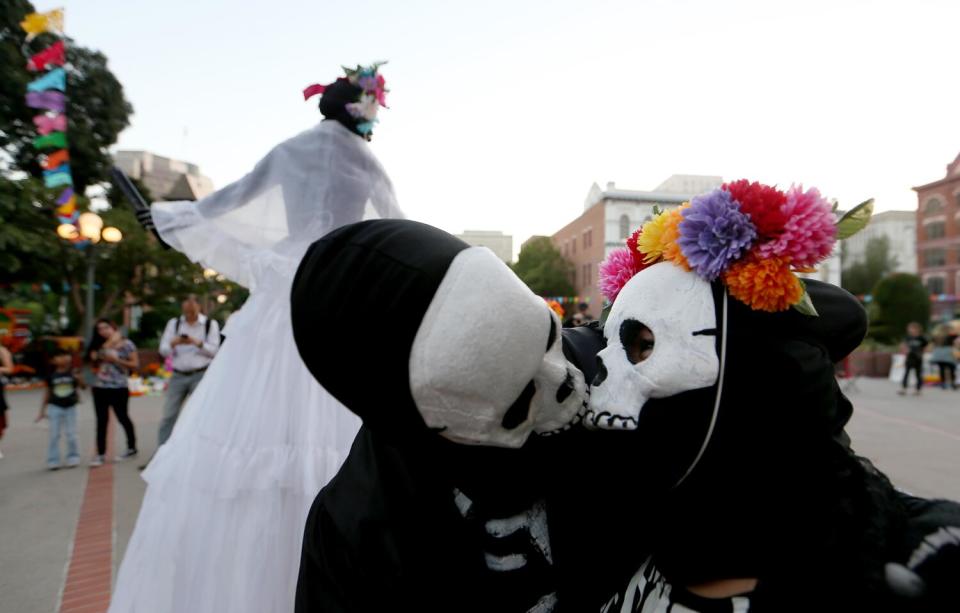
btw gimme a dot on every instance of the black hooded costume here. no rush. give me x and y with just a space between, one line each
387 533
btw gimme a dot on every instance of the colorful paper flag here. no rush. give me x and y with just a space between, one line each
47 123
38 23
53 101
67 209
65 196
58 177
54 140
51 161
55 79
54 55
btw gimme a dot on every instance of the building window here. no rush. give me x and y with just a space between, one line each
624 227
933 206
935 285
573 246
935 257
937 229
587 239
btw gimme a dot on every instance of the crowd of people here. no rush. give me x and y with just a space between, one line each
396 422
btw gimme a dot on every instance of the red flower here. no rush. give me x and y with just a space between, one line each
764 205
635 251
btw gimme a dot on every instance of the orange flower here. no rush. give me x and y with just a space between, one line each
764 284
671 236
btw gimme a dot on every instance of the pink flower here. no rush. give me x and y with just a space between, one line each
810 232
615 271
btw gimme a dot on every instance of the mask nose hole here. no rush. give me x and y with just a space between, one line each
601 375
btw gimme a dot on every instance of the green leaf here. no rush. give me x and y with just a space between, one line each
657 210
855 220
805 305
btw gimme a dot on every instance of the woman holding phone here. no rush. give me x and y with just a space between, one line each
112 357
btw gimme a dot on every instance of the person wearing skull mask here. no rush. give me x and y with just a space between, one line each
227 494
439 505
725 396
398 526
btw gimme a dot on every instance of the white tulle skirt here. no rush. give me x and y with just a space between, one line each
221 524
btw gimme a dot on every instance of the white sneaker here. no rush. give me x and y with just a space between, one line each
96 461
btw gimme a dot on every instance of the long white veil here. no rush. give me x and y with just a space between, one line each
317 181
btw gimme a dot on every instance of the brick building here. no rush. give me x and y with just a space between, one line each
938 239
609 216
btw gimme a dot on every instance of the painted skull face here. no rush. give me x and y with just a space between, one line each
661 336
487 365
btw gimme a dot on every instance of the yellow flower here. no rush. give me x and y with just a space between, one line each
764 285
659 237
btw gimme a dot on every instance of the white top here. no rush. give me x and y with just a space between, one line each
308 185
191 357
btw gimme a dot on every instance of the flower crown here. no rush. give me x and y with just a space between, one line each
753 237
373 95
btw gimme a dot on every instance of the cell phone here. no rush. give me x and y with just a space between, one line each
184 336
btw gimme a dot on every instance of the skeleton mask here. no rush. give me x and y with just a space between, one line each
486 366
661 336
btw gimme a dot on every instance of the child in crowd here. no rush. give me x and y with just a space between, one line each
60 406
915 343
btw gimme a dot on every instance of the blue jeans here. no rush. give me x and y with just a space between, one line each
62 419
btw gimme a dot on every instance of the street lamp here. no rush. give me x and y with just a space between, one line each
91 229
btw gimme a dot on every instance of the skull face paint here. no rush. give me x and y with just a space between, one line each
486 366
661 336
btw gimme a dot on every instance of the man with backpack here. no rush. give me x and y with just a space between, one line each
192 339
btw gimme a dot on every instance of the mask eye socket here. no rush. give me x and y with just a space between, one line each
637 340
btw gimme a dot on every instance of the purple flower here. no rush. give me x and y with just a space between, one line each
714 233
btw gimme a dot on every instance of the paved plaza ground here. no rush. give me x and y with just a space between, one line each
63 533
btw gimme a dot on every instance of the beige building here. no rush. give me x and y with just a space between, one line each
166 178
499 243
610 215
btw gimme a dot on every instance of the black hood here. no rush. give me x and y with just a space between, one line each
357 301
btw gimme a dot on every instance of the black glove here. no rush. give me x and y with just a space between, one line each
146 219
929 577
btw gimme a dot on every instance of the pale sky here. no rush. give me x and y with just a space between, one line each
504 112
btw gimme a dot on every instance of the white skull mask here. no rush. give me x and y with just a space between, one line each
487 365
661 341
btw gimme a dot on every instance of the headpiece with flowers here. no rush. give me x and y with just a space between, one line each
753 237
373 94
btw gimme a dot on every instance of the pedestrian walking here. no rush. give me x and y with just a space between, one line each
6 368
191 341
60 407
113 357
943 356
914 345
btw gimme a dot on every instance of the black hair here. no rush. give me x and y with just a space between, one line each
96 340
334 101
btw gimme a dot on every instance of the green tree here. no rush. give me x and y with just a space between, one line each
897 300
96 108
860 277
542 267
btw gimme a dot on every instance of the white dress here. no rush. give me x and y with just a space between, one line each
221 524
